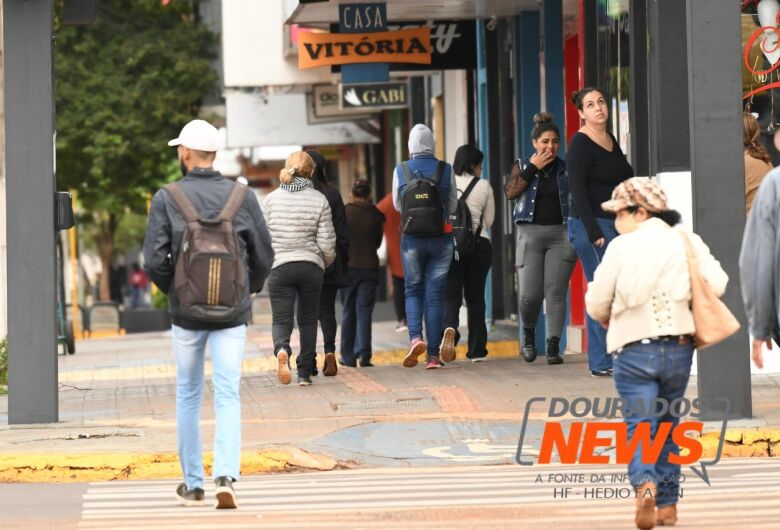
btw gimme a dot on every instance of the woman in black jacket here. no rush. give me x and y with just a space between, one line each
336 274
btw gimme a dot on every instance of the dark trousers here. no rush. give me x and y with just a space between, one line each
357 300
467 278
327 317
304 280
399 298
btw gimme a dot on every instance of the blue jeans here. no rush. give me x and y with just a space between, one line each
590 255
358 299
227 352
426 264
643 372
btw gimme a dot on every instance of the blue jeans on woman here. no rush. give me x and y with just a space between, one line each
426 264
357 300
644 371
227 352
590 255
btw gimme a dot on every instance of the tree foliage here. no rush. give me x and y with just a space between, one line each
124 86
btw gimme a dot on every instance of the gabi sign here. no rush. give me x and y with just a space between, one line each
377 96
402 46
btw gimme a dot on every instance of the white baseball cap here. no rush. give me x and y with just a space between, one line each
199 135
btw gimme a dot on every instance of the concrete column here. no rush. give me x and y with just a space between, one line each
29 129
3 245
714 90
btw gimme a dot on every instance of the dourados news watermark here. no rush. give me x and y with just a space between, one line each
576 432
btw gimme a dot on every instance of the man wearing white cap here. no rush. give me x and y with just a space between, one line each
207 247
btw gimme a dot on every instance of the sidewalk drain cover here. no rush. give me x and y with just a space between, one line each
413 403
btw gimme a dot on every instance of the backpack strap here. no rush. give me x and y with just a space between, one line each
406 172
234 202
439 171
468 189
182 202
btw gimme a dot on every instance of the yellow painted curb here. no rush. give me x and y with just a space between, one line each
741 443
36 467
497 349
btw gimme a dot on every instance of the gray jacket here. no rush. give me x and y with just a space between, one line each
759 260
208 190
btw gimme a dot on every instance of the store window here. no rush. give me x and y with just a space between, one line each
760 65
613 66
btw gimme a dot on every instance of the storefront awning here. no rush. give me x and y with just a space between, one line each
405 10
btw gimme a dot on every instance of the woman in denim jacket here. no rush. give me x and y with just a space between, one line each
544 257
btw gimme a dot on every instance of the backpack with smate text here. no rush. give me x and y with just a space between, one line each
422 212
209 280
463 233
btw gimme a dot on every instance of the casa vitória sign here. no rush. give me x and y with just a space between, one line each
392 95
403 46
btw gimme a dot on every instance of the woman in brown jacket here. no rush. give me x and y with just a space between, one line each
757 159
365 227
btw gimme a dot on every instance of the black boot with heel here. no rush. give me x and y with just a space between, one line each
553 351
529 344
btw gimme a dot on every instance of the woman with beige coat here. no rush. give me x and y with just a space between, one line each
641 292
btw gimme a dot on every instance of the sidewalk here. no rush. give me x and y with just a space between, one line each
117 410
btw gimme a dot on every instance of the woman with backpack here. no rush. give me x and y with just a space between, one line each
473 251
304 243
544 257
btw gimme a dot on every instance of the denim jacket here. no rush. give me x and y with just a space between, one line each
526 202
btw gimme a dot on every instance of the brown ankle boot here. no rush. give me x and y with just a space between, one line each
645 506
666 516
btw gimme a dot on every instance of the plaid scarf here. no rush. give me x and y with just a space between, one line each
298 184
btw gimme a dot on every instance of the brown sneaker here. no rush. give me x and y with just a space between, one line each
666 515
447 348
331 367
645 506
418 348
283 367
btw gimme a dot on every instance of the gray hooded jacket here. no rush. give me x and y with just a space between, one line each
759 260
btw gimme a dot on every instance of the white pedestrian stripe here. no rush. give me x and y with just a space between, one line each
741 492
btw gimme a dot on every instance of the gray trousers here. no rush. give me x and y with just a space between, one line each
544 259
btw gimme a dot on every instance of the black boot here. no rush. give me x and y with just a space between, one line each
553 353
529 344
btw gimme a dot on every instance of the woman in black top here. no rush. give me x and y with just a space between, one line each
596 165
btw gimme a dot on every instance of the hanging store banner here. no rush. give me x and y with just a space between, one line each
453 45
376 96
326 104
403 46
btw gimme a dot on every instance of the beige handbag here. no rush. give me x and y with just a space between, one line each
713 320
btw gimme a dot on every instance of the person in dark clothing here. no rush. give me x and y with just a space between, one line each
209 193
596 165
365 224
335 275
544 257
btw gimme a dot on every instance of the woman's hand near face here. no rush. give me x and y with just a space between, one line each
542 158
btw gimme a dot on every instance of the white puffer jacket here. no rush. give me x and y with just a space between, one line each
643 287
301 227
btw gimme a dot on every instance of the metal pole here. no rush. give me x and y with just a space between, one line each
29 128
714 90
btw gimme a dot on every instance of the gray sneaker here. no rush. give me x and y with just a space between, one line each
226 495
193 497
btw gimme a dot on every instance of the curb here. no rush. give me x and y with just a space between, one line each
98 467
741 443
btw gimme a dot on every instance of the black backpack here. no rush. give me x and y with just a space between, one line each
209 279
421 207
462 228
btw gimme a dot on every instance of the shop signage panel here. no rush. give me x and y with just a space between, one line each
378 96
453 45
326 104
403 46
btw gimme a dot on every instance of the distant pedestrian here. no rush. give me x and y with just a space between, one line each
595 165
335 275
642 293
759 266
468 271
424 191
304 242
207 247
137 285
758 162
359 296
544 256
392 230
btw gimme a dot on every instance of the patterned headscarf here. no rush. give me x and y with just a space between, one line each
637 191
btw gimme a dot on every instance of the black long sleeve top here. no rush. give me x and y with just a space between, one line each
548 202
593 174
